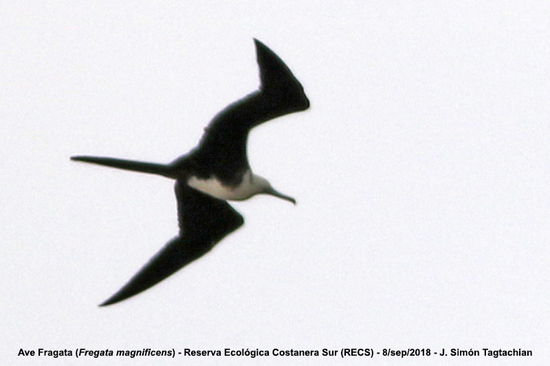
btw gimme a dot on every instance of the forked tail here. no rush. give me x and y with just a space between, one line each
136 166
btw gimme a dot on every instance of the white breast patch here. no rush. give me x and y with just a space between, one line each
215 188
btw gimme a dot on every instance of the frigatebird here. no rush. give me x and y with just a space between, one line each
215 171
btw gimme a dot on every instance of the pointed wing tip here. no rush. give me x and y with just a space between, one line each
121 295
261 48
128 290
258 43
275 75
110 301
262 51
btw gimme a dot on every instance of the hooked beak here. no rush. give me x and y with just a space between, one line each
275 193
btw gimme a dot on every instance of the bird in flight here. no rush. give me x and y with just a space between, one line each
215 171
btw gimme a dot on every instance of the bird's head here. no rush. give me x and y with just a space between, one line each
264 187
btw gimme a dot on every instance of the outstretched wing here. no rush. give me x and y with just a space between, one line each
203 220
223 145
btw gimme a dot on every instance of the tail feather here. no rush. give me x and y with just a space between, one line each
136 166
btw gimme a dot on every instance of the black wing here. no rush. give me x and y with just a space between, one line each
223 146
203 221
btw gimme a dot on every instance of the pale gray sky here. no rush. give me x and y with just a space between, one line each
421 173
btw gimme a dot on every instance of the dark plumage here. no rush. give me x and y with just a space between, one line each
215 171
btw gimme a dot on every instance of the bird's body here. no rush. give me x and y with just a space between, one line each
215 171
247 188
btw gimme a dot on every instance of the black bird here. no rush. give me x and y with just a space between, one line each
213 172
